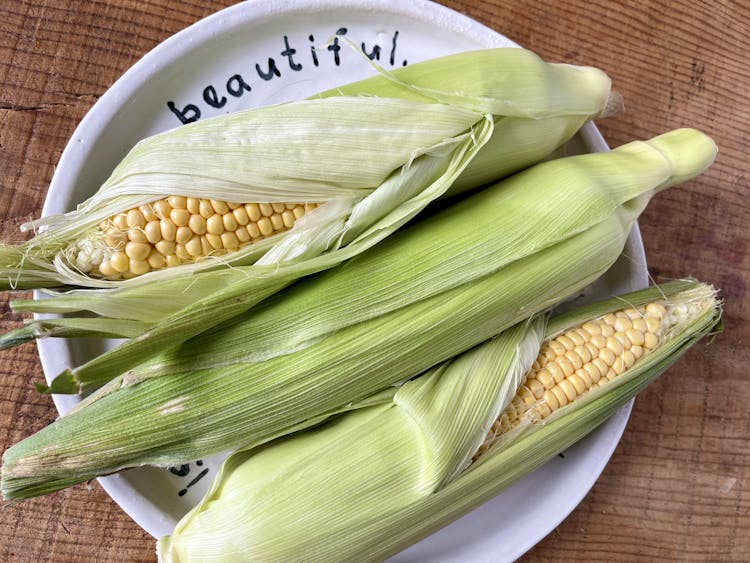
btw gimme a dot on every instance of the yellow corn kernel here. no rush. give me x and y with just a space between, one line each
536 388
120 221
635 337
566 341
193 247
240 215
656 310
591 328
119 262
265 226
559 394
577 337
214 224
220 207
184 234
182 252
137 250
107 271
242 234
229 240
162 208
152 230
557 372
168 229
177 202
653 324
545 378
214 241
253 211
136 235
288 218
205 209
615 345
148 213
584 377
193 205
574 359
180 217
229 222
138 267
206 248
197 224
165 247
156 261
135 219
277 222
607 355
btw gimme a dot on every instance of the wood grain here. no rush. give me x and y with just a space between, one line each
678 485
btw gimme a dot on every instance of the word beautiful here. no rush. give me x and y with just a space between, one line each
238 84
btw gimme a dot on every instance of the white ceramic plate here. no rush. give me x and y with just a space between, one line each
277 48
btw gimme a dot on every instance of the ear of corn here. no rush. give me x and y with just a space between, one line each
288 153
368 484
626 177
428 431
591 346
424 295
313 151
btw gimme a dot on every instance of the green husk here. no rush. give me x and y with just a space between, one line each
365 485
513 110
420 297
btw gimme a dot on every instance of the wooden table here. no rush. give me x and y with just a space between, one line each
678 485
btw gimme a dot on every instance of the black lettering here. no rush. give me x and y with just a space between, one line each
183 115
372 55
180 471
393 48
273 70
288 52
200 476
237 86
312 50
212 97
335 47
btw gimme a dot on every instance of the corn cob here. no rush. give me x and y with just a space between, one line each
422 296
372 481
312 151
